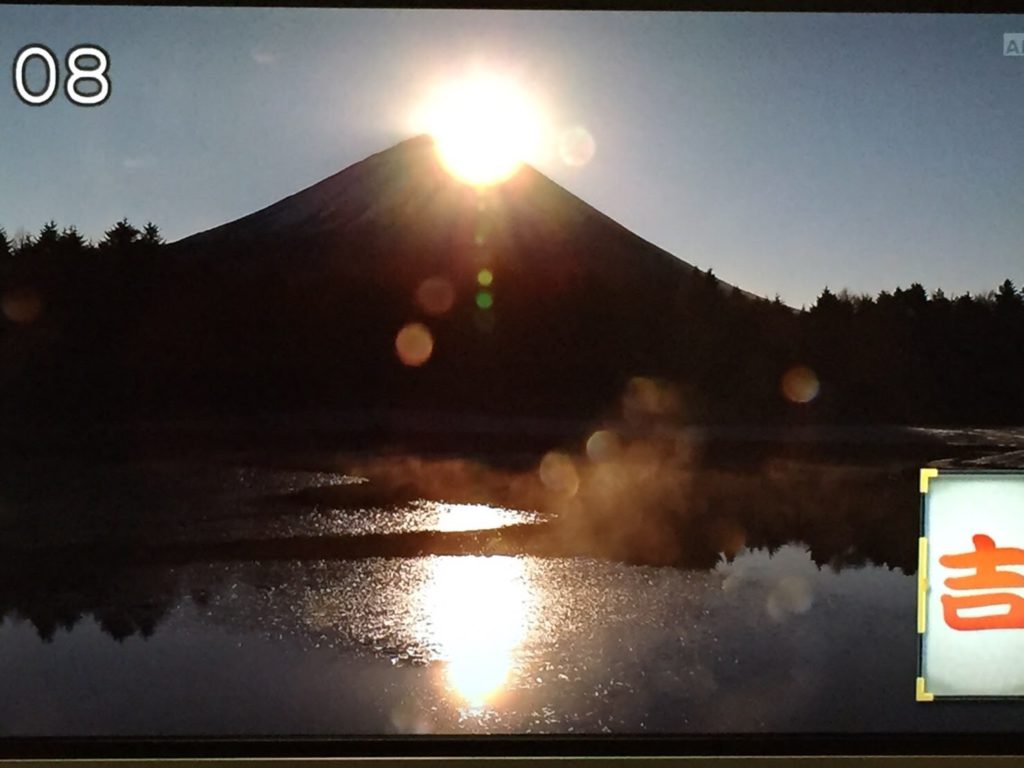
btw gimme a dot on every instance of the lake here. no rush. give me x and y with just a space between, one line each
804 626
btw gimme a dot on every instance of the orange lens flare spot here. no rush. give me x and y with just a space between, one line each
800 384
647 398
435 296
558 473
22 306
414 344
603 445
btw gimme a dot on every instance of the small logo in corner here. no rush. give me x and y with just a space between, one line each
1013 44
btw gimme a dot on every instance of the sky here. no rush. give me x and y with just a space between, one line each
786 152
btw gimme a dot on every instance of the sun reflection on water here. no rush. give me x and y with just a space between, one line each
476 611
473 517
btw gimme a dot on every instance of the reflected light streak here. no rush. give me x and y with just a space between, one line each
476 612
474 517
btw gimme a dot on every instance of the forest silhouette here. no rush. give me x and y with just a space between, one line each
76 338
901 357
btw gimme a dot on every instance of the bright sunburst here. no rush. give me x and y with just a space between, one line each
484 126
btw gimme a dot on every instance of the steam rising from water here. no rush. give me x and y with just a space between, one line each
609 494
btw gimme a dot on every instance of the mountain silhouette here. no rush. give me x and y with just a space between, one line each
526 300
399 210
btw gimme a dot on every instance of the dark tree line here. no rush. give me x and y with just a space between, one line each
902 357
77 316
53 240
913 357
69 269
63 303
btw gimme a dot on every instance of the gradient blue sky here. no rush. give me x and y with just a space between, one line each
787 152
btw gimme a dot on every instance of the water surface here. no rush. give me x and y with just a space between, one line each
767 639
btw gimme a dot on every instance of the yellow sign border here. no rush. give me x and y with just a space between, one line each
927 474
922 584
922 691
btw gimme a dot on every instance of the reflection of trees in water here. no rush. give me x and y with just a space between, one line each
52 597
847 517
666 501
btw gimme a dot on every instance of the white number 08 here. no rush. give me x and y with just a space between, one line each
77 75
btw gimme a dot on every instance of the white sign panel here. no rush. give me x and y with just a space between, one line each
971 579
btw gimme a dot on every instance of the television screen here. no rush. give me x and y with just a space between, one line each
419 373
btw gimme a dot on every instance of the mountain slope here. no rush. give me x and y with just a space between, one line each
535 304
397 188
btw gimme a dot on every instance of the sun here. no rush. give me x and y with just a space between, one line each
484 127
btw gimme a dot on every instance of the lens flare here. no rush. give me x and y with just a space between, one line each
576 146
558 473
414 344
647 398
485 322
483 231
603 445
21 306
435 295
800 384
792 596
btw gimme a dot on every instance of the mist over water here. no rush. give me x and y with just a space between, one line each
629 586
435 445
